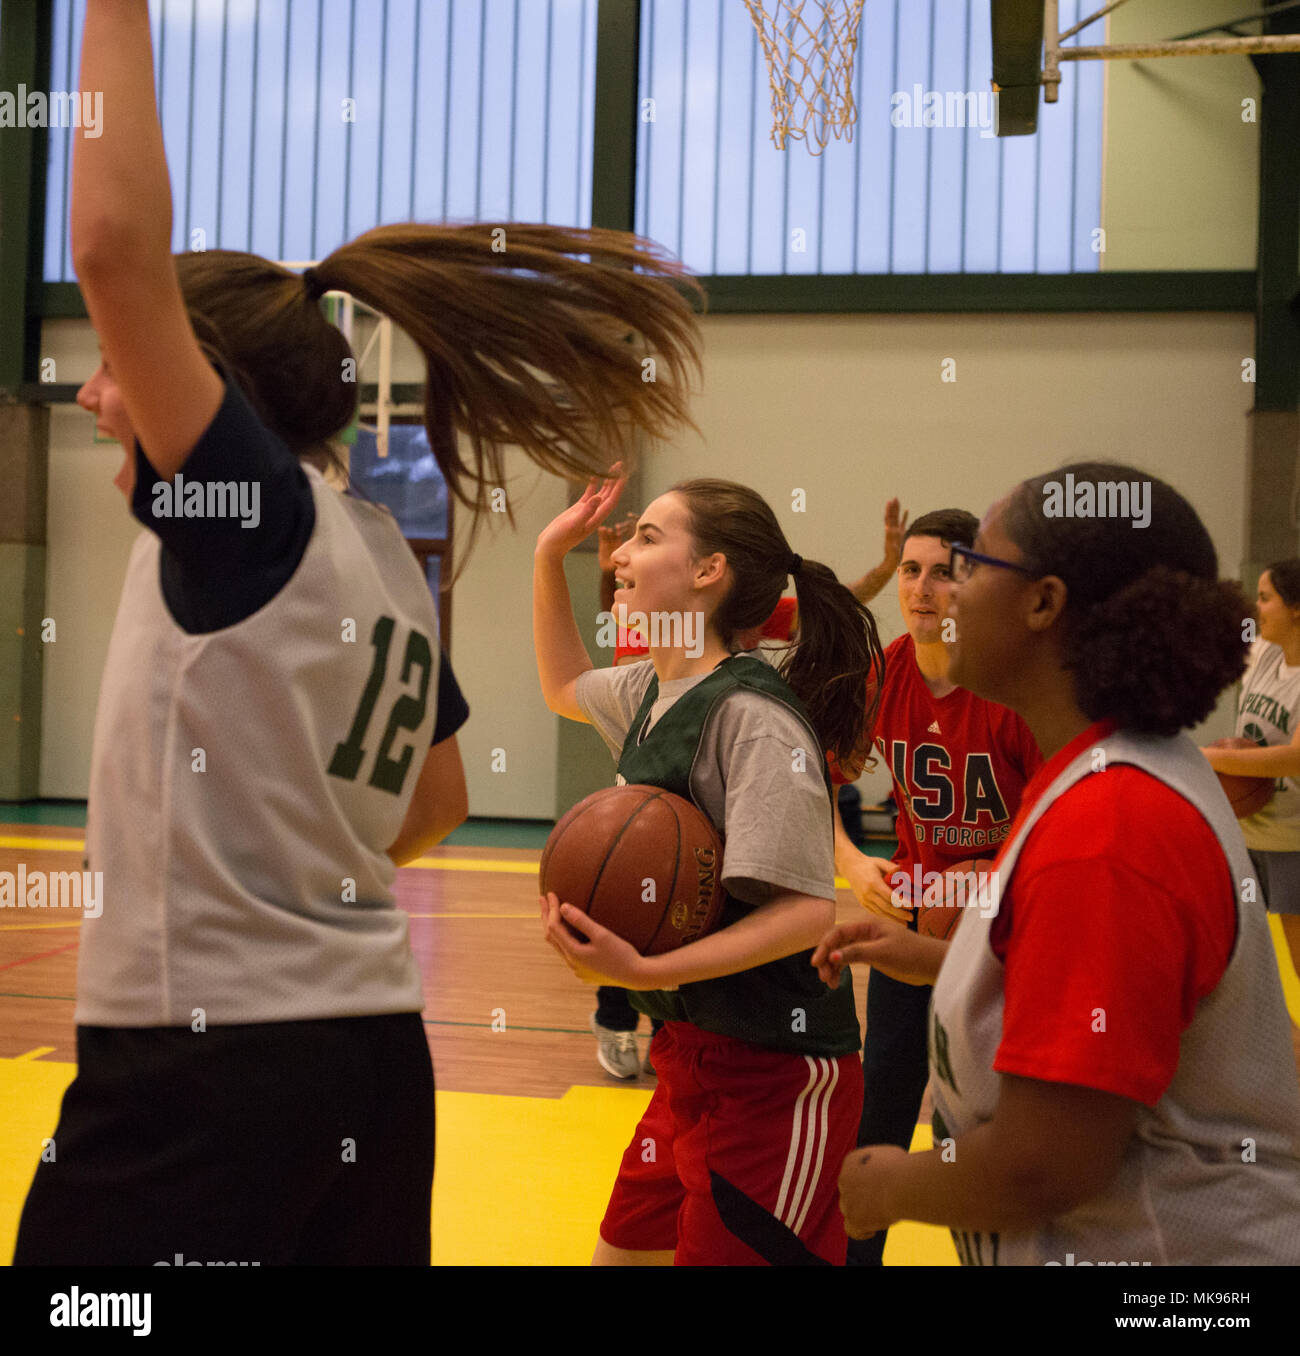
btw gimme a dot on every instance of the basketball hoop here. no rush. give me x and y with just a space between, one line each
810 67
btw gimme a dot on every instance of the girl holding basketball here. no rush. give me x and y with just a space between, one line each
1268 712
254 1081
1110 1058
759 1088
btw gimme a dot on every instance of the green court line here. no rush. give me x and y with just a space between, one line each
58 997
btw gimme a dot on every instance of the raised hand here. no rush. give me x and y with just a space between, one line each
895 526
564 532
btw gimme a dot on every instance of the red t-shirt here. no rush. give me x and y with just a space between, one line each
960 766
1119 918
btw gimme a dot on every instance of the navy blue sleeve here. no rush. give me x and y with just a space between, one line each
234 523
453 710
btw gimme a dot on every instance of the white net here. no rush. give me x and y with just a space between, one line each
809 46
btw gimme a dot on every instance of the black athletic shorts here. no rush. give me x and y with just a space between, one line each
272 1144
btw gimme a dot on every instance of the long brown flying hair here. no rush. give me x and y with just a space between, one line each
561 341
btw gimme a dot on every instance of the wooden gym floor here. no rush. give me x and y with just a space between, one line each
521 1098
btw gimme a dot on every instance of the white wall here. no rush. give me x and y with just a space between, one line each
89 538
492 653
850 409
1181 168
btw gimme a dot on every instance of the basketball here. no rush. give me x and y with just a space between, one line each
959 891
1246 795
640 861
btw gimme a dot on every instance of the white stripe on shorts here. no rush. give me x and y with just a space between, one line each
805 1110
822 1137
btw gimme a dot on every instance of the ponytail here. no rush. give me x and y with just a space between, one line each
837 660
564 342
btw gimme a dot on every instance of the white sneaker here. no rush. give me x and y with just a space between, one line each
616 1051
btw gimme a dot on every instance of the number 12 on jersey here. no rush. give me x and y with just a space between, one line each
407 713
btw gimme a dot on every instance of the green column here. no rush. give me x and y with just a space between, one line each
24 428
24 454
1274 452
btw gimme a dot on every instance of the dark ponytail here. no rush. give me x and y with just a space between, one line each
1151 634
839 652
837 661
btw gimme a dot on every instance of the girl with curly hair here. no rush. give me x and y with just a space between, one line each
1110 1057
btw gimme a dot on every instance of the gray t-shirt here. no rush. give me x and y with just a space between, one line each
758 776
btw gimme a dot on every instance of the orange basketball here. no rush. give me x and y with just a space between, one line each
640 861
1246 795
964 886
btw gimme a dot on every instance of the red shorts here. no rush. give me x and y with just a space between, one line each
737 1159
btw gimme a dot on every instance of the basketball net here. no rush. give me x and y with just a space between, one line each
810 67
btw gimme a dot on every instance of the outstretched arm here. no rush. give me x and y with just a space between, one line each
1049 1148
121 227
1275 760
873 581
561 656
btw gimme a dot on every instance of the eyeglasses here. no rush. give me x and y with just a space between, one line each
962 561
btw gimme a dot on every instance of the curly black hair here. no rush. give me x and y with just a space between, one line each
1152 634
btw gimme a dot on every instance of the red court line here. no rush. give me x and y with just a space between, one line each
9 965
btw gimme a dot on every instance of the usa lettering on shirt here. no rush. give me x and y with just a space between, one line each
932 786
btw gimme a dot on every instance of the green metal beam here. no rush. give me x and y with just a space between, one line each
1017 64
1277 326
60 301
993 292
613 180
24 61
842 294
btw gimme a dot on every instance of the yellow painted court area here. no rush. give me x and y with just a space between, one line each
520 1181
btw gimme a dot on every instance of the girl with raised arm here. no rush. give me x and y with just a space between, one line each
759 1088
272 741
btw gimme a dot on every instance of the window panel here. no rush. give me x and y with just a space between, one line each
924 187
462 110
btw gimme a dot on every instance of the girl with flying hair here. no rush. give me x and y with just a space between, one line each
1110 1056
254 1083
759 1088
